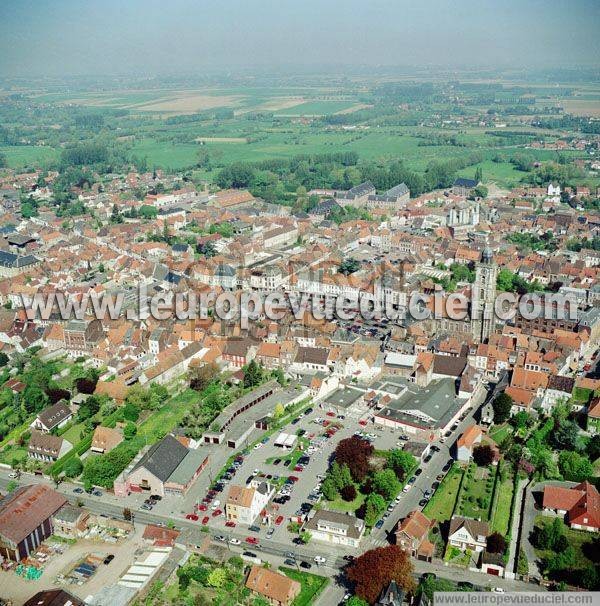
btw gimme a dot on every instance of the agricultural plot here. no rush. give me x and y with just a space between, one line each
19 156
317 108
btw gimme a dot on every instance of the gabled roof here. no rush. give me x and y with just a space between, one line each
163 458
53 415
23 510
469 436
273 585
476 528
581 501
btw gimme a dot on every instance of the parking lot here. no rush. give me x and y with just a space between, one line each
294 498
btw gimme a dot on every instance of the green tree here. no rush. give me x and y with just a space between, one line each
252 374
502 405
401 462
129 431
574 466
374 507
349 266
386 483
217 577
131 412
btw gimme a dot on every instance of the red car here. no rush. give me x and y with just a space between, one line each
293 478
363 423
298 468
330 414
205 520
230 524
252 540
279 520
325 423
191 516
217 512
202 507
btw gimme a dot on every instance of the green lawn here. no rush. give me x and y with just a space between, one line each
27 155
498 433
441 505
169 416
312 585
501 510
73 434
473 489
340 505
9 453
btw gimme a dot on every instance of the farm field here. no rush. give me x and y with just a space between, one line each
317 108
25 155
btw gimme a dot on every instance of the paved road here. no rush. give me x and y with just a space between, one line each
410 501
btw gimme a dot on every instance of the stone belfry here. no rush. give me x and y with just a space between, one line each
483 296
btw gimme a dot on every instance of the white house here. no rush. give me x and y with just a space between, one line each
244 503
466 533
336 528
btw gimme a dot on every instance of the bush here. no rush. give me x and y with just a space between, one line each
73 467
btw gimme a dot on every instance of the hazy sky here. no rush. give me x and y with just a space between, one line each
59 37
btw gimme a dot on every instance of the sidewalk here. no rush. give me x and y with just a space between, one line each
514 531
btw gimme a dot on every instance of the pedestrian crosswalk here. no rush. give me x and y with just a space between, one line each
379 542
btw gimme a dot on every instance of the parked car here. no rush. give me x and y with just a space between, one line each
146 507
252 540
230 524
234 541
109 558
202 507
156 497
78 490
216 513
422 502
254 528
289 562
278 520
205 520
305 565
379 524
270 532
191 516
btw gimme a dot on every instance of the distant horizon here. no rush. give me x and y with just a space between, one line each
67 38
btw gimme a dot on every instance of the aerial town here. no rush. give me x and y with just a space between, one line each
236 374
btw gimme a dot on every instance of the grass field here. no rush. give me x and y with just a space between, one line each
501 511
441 505
503 173
340 505
27 155
500 432
312 585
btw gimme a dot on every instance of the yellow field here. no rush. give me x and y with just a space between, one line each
189 104
582 107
